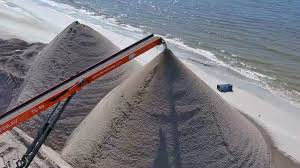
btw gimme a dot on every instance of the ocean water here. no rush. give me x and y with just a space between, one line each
254 40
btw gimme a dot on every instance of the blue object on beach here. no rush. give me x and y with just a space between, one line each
224 87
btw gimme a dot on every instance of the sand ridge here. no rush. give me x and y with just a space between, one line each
16 57
165 116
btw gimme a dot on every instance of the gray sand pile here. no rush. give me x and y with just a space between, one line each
165 116
73 50
16 57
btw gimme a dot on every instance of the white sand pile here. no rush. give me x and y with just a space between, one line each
16 57
165 116
73 50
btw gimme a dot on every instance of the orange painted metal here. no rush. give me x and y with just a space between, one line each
49 102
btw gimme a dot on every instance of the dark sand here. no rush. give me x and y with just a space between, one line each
73 50
165 116
16 57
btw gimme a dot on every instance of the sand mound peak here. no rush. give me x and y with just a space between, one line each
165 116
73 50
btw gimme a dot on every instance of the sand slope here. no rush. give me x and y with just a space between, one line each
73 50
9 85
16 57
165 116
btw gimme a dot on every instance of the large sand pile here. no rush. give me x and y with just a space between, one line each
73 50
165 116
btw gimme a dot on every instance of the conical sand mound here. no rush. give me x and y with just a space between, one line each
164 117
73 50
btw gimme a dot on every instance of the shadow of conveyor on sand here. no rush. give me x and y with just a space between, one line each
173 121
162 160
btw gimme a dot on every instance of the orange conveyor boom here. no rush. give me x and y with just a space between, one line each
71 86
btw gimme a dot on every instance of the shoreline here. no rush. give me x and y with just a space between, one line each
279 121
276 154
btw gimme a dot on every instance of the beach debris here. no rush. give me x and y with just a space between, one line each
225 87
